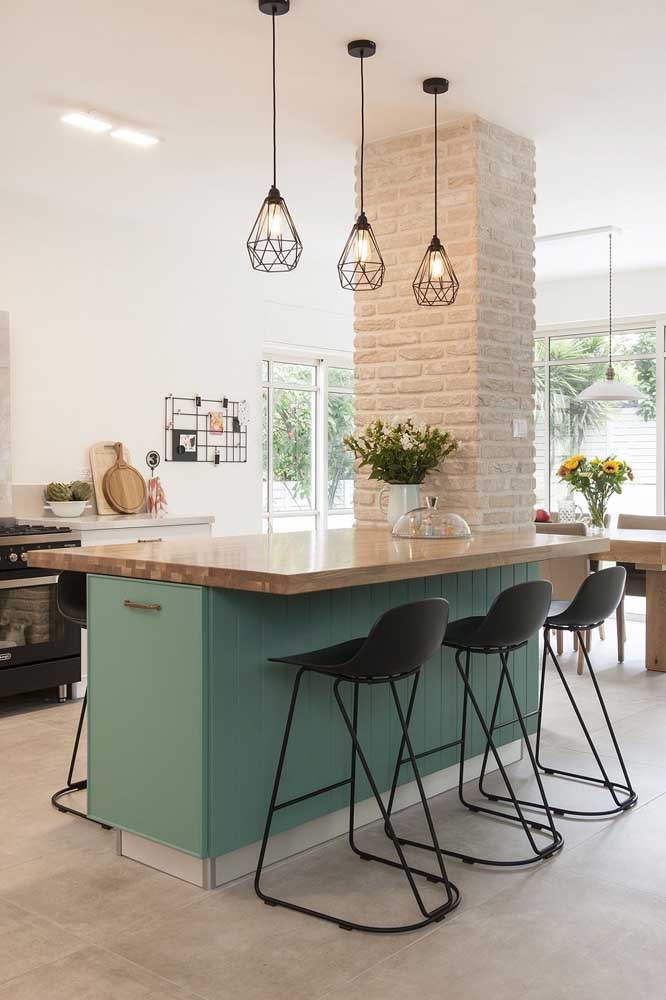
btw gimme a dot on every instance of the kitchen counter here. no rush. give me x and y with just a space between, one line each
306 562
186 713
100 522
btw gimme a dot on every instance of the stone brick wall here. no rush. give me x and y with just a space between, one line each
466 367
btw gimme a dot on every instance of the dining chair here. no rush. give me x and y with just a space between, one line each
636 583
566 576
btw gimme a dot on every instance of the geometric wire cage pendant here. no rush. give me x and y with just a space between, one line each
435 283
274 243
361 266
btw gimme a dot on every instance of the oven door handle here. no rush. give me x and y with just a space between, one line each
33 581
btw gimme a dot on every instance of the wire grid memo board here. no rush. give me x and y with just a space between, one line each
197 429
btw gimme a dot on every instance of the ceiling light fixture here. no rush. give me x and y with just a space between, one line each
274 243
435 283
84 120
361 267
610 389
135 138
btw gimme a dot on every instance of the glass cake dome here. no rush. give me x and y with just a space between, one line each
428 522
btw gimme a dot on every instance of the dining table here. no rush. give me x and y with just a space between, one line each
646 549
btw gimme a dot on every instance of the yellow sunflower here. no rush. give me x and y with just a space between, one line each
611 467
572 463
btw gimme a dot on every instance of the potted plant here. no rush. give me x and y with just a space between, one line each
401 455
597 479
68 499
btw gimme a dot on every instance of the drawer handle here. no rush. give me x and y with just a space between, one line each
142 607
139 540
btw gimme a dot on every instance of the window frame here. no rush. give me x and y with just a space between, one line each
322 362
622 325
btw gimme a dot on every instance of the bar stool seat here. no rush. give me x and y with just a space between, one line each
399 643
516 614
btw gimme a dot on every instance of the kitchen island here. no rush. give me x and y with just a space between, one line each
186 714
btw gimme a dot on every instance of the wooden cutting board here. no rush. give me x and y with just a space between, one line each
124 487
102 458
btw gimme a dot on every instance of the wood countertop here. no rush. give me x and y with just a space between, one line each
308 561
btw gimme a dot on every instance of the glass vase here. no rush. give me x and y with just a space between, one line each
597 518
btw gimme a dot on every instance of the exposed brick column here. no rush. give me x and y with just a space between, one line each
466 367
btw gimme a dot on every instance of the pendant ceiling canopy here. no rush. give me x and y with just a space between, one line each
435 283
609 389
274 243
361 266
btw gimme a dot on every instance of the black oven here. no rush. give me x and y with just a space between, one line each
38 648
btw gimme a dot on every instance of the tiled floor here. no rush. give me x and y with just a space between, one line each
77 922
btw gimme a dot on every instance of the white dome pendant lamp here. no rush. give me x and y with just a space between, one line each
609 389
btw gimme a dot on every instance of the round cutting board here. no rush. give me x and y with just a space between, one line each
123 485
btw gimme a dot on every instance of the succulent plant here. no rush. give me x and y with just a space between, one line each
58 492
80 490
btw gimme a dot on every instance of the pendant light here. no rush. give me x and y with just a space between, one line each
361 267
435 283
274 243
609 389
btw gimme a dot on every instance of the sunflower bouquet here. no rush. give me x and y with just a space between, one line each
597 479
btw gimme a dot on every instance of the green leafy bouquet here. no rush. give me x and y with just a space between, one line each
597 479
401 452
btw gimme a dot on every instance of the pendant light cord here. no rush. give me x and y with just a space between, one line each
362 130
610 300
436 164
274 111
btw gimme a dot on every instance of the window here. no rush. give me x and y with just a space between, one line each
565 363
308 475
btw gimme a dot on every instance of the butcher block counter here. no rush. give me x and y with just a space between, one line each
307 561
186 713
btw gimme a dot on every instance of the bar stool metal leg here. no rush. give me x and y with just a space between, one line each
429 916
528 825
623 795
75 786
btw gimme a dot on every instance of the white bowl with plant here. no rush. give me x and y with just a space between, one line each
68 499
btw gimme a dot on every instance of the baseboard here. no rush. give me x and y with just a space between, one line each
211 872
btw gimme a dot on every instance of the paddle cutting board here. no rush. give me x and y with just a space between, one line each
124 487
103 458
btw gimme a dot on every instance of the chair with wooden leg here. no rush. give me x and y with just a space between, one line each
566 576
636 585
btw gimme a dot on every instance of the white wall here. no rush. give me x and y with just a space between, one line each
108 315
577 300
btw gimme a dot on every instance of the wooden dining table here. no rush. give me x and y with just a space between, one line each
647 550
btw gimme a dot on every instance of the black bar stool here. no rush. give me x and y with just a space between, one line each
597 599
514 617
400 641
72 605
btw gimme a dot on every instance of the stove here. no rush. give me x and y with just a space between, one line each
38 648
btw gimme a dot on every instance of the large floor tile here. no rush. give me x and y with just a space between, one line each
91 974
630 852
28 941
94 893
562 935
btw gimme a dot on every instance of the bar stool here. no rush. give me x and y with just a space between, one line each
400 641
597 599
515 615
72 605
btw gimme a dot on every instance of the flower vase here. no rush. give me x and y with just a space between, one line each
402 497
597 518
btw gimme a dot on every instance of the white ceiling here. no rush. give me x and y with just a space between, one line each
586 80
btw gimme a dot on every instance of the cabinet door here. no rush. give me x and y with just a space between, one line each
147 725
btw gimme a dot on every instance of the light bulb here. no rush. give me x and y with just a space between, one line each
436 265
274 221
362 246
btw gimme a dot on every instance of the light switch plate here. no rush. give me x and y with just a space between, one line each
520 427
